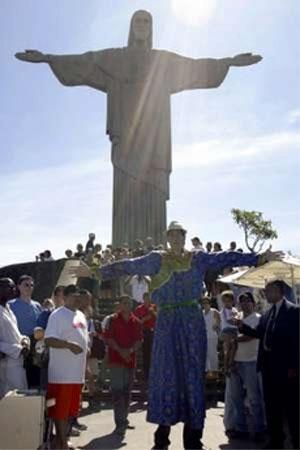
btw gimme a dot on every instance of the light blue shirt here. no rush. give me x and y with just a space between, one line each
26 313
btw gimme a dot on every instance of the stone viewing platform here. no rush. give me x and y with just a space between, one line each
100 426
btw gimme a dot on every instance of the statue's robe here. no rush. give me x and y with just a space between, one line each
139 84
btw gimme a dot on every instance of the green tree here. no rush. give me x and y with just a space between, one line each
256 230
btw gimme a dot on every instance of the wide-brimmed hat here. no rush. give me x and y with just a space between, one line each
174 225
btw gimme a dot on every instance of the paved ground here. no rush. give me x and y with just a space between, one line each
100 426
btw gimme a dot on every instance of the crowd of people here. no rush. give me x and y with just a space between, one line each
168 310
94 255
94 252
40 347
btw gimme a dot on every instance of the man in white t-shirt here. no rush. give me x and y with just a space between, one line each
139 285
67 337
244 380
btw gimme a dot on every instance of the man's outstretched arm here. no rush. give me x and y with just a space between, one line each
221 260
144 265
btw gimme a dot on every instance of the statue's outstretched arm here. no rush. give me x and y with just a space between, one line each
71 70
243 59
33 56
203 73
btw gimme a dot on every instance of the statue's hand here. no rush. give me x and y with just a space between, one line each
31 56
245 59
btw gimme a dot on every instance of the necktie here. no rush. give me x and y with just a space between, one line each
270 328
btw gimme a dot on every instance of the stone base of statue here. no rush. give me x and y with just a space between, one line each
139 210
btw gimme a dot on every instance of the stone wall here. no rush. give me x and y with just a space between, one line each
45 275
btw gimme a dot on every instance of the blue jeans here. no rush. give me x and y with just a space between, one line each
245 382
229 419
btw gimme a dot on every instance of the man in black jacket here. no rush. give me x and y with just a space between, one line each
278 361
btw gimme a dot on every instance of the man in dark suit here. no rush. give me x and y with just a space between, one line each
278 361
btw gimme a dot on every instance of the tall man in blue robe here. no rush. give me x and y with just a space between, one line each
177 374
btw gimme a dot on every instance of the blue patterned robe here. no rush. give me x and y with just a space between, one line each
177 374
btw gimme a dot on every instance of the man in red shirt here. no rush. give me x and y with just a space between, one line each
123 338
147 315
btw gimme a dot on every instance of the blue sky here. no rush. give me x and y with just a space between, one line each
235 146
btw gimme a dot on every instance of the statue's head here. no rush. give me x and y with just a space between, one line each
140 29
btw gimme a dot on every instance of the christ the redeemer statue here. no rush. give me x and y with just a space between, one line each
139 82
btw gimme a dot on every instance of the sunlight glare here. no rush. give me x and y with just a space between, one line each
193 12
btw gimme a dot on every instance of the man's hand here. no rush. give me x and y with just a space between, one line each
236 322
80 271
125 353
268 256
25 347
273 256
32 56
146 318
25 351
245 59
75 348
25 342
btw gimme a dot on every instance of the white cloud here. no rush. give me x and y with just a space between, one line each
241 149
294 116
